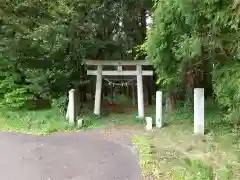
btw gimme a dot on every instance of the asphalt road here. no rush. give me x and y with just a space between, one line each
64 156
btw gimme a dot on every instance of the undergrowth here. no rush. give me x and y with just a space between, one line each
32 122
174 153
44 122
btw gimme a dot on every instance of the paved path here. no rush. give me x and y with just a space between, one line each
75 156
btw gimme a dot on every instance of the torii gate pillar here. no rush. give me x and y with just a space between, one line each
140 92
98 91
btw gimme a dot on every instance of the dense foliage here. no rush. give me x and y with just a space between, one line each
43 43
196 44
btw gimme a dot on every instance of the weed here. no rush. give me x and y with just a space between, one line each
174 153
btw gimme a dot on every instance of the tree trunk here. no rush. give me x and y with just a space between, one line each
105 90
133 93
129 91
149 90
170 103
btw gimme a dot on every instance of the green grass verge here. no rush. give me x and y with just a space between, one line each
44 122
174 153
32 122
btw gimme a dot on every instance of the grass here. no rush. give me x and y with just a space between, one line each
32 122
45 122
174 153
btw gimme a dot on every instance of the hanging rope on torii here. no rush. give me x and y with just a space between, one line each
126 83
100 73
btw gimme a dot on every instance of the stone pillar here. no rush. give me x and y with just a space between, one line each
199 111
97 105
140 92
71 113
159 121
148 123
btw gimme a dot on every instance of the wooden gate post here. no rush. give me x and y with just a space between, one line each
140 92
98 92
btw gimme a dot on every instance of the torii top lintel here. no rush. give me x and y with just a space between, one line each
118 63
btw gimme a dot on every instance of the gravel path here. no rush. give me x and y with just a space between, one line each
87 155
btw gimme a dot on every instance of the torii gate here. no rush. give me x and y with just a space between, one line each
99 72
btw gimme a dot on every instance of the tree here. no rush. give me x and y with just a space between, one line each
42 47
190 40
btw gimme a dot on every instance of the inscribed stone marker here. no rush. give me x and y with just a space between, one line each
199 111
72 107
159 122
